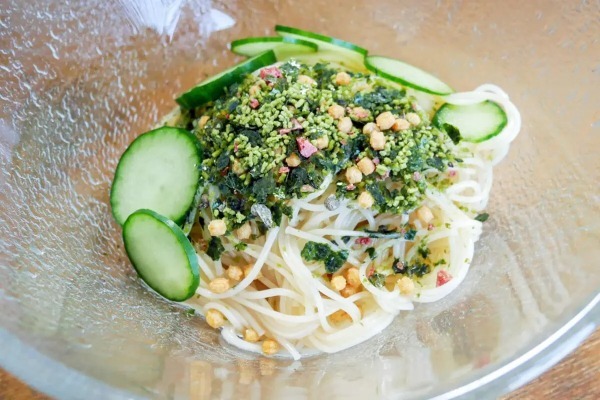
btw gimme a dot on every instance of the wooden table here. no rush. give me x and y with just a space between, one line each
576 377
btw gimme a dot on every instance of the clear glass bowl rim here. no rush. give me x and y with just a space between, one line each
42 372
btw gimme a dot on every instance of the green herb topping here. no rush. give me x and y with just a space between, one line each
215 248
482 217
279 133
377 279
320 252
417 269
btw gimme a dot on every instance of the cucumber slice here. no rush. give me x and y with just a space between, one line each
161 255
214 86
159 171
330 49
324 42
476 122
407 75
283 47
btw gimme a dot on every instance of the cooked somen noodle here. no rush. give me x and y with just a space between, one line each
294 302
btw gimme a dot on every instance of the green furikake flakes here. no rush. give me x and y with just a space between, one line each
279 133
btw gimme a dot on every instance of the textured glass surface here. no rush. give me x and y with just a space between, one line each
80 79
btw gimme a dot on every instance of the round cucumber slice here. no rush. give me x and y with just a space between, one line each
476 122
330 49
324 42
214 86
159 171
161 255
283 47
407 75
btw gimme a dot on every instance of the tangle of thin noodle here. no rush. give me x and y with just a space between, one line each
293 304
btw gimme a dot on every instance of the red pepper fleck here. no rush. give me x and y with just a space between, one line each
452 173
270 71
284 170
370 272
430 227
224 171
254 103
228 116
307 149
443 277
363 241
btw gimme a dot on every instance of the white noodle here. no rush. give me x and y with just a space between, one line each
296 306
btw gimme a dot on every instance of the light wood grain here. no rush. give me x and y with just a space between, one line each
576 377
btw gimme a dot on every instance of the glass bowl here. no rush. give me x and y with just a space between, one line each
81 79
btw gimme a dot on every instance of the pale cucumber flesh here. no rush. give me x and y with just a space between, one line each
476 122
161 254
407 75
158 171
283 47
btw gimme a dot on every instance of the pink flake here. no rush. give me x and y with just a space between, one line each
430 227
384 176
452 173
417 176
376 161
307 149
284 170
400 266
483 361
254 103
284 131
270 71
363 241
370 272
350 187
296 125
359 113
443 277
